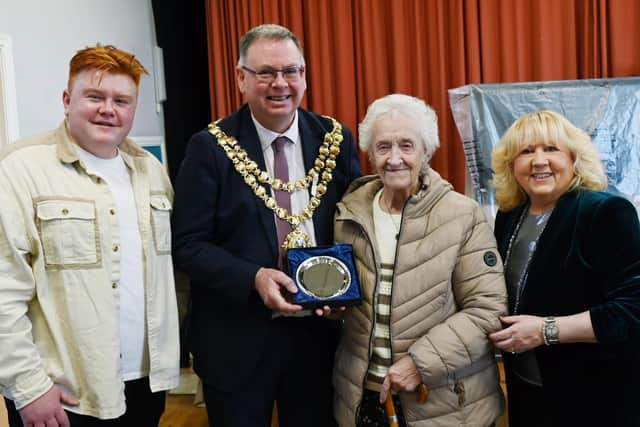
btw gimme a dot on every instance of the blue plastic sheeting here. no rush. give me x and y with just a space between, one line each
607 109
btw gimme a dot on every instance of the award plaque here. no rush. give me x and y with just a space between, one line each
324 276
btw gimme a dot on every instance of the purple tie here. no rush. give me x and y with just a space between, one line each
283 198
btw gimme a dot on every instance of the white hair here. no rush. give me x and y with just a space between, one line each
425 118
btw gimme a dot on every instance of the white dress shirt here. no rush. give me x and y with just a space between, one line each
295 161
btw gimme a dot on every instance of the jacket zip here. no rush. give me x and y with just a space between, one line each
375 294
393 281
375 266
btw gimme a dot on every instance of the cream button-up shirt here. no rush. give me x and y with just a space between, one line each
60 272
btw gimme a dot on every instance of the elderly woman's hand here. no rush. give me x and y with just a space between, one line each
335 313
402 376
521 333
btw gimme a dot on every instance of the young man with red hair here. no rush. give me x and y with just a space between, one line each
88 316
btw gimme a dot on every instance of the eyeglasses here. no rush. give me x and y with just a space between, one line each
268 75
384 148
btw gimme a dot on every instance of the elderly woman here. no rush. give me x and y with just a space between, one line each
572 263
432 284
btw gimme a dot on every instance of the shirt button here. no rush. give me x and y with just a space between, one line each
114 285
65 211
98 180
115 248
112 211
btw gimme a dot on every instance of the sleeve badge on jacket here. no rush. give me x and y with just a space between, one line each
490 258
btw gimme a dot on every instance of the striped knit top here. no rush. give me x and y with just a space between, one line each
386 228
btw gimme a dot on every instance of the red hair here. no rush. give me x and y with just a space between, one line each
108 59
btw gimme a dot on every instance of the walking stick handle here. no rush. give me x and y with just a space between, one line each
390 408
423 393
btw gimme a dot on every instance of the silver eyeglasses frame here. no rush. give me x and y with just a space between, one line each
269 75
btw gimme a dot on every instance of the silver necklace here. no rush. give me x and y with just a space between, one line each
541 219
396 224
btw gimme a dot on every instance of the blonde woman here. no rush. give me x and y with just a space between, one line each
572 263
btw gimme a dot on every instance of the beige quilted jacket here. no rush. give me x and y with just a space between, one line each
448 291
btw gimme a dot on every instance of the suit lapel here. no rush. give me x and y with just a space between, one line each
248 139
312 136
558 225
551 246
509 223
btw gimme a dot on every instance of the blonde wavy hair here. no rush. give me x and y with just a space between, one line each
552 129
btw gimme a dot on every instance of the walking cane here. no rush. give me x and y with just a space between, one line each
390 408
391 411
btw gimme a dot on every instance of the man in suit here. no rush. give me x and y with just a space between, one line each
251 345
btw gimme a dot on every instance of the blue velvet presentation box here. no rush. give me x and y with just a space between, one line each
324 275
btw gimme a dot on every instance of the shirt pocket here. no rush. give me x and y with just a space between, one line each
69 233
161 223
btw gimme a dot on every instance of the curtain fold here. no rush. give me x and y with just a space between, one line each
360 50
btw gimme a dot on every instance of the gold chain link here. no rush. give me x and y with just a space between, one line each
257 179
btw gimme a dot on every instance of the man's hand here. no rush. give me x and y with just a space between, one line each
272 286
47 411
402 376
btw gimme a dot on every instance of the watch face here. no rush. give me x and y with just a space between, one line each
551 332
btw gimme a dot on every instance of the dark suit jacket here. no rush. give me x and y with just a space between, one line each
222 235
587 258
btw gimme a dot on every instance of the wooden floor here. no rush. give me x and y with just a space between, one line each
3 414
181 412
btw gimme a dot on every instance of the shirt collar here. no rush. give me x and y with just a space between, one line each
267 136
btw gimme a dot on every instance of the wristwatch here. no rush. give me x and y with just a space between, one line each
550 332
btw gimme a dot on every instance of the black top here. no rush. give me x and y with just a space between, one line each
517 261
587 258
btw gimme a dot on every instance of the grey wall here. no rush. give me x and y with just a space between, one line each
46 34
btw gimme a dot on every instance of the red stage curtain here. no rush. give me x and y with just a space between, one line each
360 50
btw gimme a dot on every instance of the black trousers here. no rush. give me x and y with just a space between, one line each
527 407
144 409
295 372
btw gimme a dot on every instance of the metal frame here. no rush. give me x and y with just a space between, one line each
9 131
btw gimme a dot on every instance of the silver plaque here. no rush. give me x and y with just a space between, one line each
323 277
